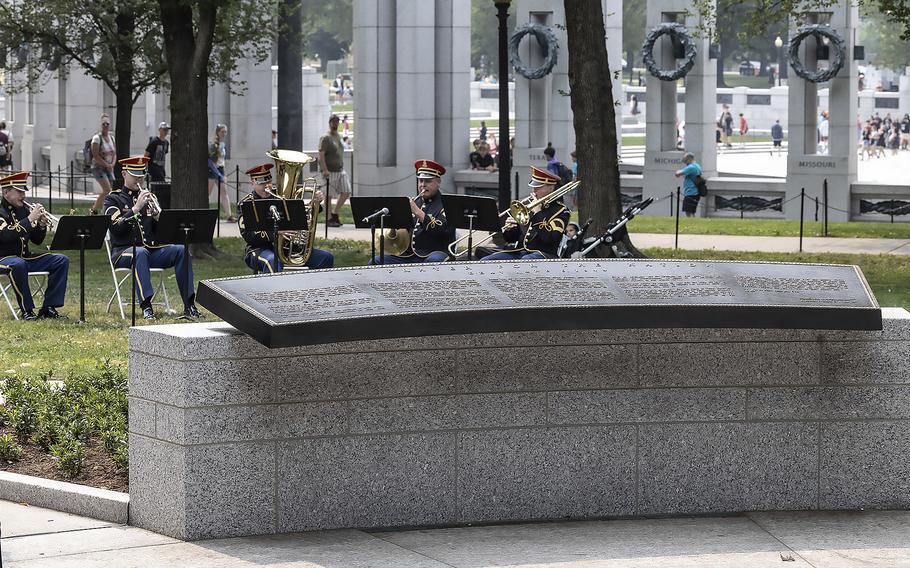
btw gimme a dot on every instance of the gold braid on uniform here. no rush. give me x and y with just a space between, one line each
434 222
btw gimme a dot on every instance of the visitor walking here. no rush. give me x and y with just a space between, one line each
217 153
690 190
104 154
331 162
6 147
777 136
905 132
823 129
743 129
726 122
156 151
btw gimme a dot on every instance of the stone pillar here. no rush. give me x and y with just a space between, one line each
662 158
806 168
26 145
251 119
315 110
543 113
59 152
412 76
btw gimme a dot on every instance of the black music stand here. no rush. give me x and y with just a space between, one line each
185 226
258 215
81 232
366 215
472 213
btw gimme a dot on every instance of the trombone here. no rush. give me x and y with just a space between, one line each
50 221
520 211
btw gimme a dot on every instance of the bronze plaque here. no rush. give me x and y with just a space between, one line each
372 302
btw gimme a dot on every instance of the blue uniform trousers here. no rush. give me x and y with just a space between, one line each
57 265
265 261
516 255
435 256
164 257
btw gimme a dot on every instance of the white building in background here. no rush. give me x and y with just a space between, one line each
51 125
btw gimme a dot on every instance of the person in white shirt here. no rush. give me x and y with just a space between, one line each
104 155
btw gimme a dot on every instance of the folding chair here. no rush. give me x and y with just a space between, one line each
118 283
39 281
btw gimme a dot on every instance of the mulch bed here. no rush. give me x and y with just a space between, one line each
99 469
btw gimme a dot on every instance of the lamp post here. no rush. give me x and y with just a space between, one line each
505 151
779 43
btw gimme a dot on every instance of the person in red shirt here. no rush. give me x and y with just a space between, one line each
743 129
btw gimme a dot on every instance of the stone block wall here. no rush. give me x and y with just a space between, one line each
229 438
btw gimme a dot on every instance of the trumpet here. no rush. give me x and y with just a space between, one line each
50 221
520 212
154 208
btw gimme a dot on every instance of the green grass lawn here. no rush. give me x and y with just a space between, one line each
766 227
60 347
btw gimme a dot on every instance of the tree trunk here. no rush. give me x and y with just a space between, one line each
187 58
721 56
590 83
290 77
123 126
123 55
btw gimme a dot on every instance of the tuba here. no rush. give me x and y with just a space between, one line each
295 250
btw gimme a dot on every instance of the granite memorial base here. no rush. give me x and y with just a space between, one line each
230 438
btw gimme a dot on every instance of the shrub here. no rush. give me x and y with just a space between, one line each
69 454
60 417
121 455
9 450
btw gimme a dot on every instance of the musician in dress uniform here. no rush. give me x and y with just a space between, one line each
260 250
540 238
133 222
18 227
432 233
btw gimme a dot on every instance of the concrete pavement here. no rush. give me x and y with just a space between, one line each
35 537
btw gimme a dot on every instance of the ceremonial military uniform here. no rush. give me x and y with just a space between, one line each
432 235
540 238
260 249
128 229
16 260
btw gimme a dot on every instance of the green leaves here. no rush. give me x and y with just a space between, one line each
60 417
69 455
10 450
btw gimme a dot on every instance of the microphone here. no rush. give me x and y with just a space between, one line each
275 214
381 213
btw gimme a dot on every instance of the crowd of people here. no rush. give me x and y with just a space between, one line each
877 135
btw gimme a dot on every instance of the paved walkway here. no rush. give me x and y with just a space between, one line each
35 537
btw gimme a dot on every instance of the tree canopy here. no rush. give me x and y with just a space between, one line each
879 33
485 35
112 41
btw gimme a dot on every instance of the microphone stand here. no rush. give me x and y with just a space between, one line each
382 239
135 221
471 216
373 239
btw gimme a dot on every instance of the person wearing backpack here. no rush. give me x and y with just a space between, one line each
104 154
557 168
6 147
691 194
